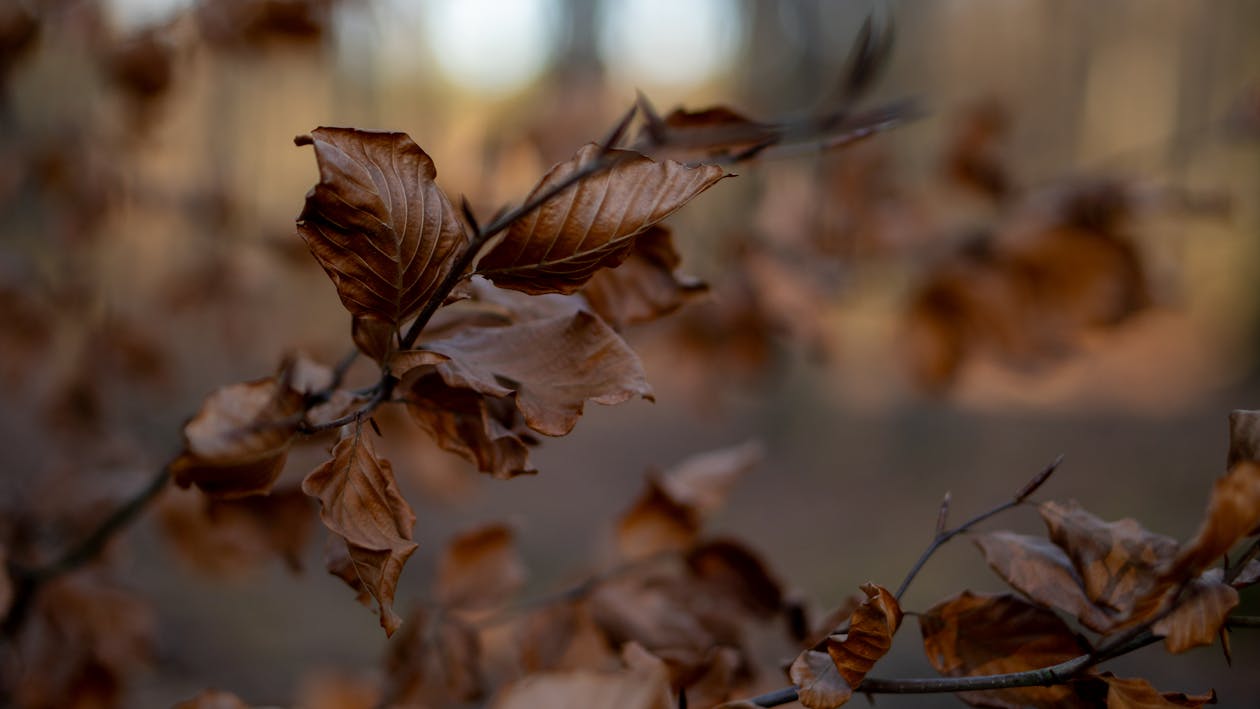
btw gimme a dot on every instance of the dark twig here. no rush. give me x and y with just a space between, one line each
942 537
1252 553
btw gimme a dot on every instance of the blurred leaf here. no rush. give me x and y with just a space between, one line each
592 224
728 568
321 688
975 634
656 523
1233 513
1139 694
586 689
484 429
360 502
381 228
213 699
480 568
437 658
704 480
237 443
828 680
1244 437
644 287
711 133
232 536
551 366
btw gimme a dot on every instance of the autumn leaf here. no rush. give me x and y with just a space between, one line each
1139 694
827 680
1244 437
726 568
237 443
1233 513
1199 616
437 657
482 429
480 568
551 366
360 502
381 228
586 689
713 132
1118 562
645 286
232 536
976 634
592 224
1043 572
213 699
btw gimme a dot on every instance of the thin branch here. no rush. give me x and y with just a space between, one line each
1252 553
942 537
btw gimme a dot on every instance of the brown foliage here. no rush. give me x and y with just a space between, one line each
827 677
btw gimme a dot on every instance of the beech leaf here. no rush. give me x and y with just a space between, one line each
480 428
852 655
977 634
237 442
634 689
381 228
644 287
593 223
436 658
1137 693
213 699
360 502
1199 615
1043 572
480 568
551 366
1233 513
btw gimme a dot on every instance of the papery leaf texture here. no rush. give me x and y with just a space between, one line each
360 502
381 228
591 224
852 655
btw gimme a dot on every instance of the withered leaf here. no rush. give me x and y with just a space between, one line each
481 428
438 657
233 536
656 523
1233 513
213 699
592 224
551 366
1043 572
644 287
237 443
1199 615
851 656
381 228
704 480
360 502
977 634
1244 437
727 568
712 132
480 568
1137 693
1117 562
585 689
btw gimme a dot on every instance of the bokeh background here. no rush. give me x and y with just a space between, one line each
149 184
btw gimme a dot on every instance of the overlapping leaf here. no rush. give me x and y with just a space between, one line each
485 430
644 287
825 680
974 634
592 224
360 502
381 228
551 366
232 536
435 659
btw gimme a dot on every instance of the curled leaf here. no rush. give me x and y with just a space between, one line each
360 502
851 655
483 429
644 287
591 224
379 225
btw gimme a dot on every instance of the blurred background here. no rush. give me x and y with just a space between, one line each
1059 255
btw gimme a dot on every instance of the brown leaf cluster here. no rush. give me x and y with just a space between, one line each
229 537
827 676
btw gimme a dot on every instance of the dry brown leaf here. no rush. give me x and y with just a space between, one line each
726 568
709 133
360 502
655 524
1043 572
322 688
237 443
381 228
1244 437
586 689
551 366
703 481
975 634
1233 513
851 656
437 658
563 637
480 568
1117 562
483 429
1199 616
213 699
592 224
232 536
644 287
1137 693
